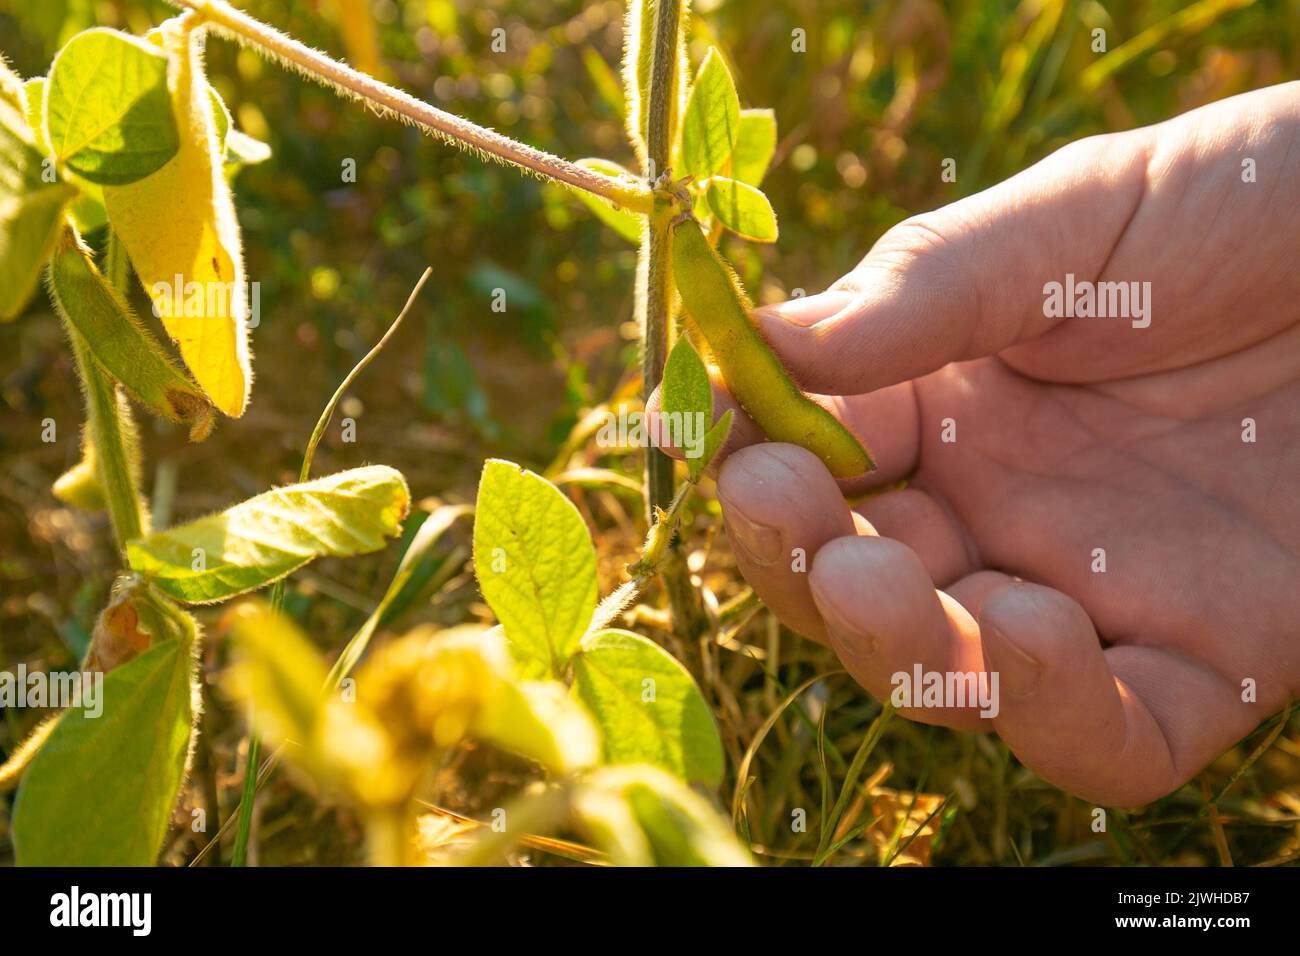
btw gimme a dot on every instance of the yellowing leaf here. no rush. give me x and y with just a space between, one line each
180 231
416 697
280 675
267 537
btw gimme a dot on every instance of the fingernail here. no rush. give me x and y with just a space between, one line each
847 639
808 310
1018 671
847 643
759 542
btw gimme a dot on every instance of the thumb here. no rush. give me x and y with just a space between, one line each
966 280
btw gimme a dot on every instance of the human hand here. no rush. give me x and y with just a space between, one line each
1073 441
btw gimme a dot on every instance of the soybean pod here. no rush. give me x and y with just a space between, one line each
716 303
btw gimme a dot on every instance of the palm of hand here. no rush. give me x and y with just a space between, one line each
1179 536
1143 478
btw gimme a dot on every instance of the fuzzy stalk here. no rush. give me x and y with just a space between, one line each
656 241
656 299
112 433
389 100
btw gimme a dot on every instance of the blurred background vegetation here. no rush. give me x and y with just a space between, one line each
885 92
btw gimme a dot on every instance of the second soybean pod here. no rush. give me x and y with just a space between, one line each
755 376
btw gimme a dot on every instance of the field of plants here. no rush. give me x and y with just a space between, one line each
366 372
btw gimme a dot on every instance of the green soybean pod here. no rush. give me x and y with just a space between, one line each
119 342
713 298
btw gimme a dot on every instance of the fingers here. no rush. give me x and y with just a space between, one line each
780 505
964 281
917 519
1112 726
888 625
1119 727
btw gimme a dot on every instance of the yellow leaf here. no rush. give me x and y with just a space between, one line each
180 231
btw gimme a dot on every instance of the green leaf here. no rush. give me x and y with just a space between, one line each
100 791
712 121
87 211
236 149
662 821
742 209
31 211
648 707
220 118
716 437
754 146
687 399
108 113
119 342
267 537
535 564
626 224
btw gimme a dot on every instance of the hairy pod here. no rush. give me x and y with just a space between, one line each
713 298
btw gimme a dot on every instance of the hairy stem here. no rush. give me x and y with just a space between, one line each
238 25
662 105
656 273
656 298
111 430
656 332
110 435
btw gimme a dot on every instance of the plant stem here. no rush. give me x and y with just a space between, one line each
656 331
111 429
656 298
388 99
656 241
113 459
662 105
